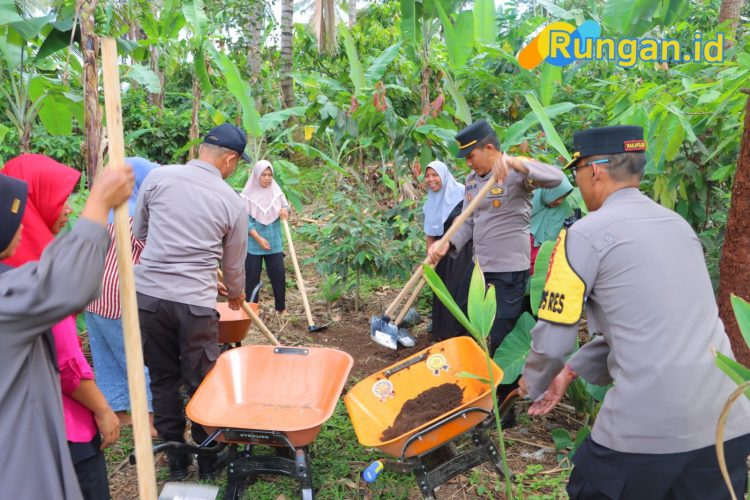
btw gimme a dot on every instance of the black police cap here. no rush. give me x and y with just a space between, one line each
230 137
13 195
469 137
607 141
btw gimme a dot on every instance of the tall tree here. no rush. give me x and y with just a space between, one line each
287 53
323 22
92 111
730 10
255 26
734 267
352 12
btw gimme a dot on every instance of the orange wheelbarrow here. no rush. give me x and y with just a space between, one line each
234 325
270 396
375 402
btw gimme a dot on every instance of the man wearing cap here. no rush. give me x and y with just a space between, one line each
500 224
190 219
638 270
36 461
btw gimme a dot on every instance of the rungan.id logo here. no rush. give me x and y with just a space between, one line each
560 44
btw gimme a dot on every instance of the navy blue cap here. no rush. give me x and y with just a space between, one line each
607 141
230 137
13 195
469 137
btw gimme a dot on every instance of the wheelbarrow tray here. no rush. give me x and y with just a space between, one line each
374 403
233 325
289 390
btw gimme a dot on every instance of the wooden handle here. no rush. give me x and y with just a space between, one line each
254 317
300 282
457 223
412 299
130 325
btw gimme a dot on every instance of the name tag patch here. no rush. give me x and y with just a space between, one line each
564 290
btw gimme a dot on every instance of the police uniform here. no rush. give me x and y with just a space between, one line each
500 229
638 271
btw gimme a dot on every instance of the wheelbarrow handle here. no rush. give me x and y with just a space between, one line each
417 276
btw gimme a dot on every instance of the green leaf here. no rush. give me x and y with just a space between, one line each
459 38
511 355
484 22
490 310
562 438
442 293
56 115
201 71
146 77
378 67
734 370
551 79
475 306
3 132
553 138
409 27
195 15
270 121
56 40
463 112
515 132
240 90
30 28
355 66
8 12
472 376
741 310
541 267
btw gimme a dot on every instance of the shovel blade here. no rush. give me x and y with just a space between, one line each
188 491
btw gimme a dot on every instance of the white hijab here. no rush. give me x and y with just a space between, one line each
440 204
263 204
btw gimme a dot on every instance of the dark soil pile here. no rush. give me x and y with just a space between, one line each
427 405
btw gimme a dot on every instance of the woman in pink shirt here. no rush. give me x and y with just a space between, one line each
87 413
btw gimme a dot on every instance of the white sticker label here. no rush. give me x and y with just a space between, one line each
385 340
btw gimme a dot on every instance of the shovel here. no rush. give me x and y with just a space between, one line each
130 325
311 326
386 332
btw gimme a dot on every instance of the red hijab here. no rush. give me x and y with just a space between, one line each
50 185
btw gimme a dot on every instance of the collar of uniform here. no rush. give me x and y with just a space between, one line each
622 194
205 166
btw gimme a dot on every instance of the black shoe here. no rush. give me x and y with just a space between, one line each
178 465
209 467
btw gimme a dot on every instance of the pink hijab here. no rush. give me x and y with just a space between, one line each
263 204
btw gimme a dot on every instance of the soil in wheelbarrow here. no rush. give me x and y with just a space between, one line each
426 406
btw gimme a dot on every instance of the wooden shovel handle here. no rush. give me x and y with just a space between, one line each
457 223
254 317
130 324
300 281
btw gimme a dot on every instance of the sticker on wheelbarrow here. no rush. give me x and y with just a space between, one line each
383 389
437 363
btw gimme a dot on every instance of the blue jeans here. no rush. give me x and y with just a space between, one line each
108 352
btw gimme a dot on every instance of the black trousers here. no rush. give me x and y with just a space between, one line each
180 346
602 474
276 275
91 468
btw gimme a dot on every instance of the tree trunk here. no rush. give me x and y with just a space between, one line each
255 25
92 111
730 9
352 11
195 120
287 38
734 267
157 100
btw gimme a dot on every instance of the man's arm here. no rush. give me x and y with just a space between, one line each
539 175
140 215
233 261
573 269
590 362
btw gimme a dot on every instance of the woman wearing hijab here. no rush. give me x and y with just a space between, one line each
266 204
549 209
85 408
103 315
444 203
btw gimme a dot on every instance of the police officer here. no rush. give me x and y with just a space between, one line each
638 270
500 224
